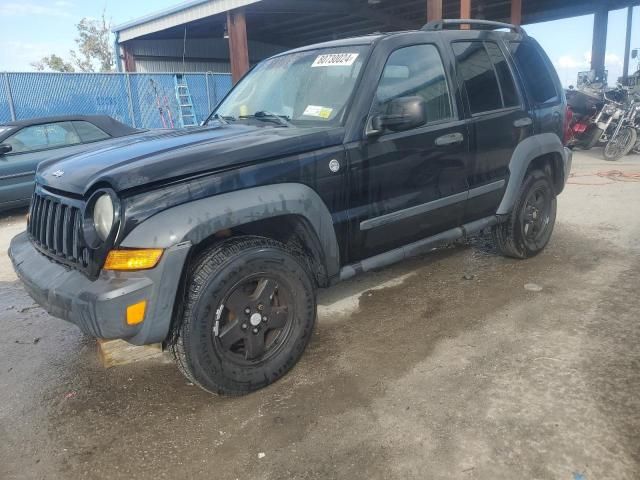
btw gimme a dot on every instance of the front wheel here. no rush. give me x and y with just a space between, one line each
248 315
528 229
621 144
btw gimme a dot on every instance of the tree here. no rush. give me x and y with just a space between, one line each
53 62
94 49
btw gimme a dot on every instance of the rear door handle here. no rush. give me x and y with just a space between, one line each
522 122
449 139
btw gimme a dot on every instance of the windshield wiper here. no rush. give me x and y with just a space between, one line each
221 119
263 115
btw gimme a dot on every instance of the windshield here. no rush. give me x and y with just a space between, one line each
308 88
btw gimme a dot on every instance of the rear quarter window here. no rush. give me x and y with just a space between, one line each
535 72
89 132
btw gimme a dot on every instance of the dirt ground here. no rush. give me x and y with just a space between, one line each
444 367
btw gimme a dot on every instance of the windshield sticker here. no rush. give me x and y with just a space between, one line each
335 60
316 111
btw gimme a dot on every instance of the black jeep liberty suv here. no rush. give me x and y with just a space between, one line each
321 163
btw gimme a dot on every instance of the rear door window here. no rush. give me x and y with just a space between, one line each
475 68
507 85
535 73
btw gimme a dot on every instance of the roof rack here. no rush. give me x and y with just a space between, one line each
442 24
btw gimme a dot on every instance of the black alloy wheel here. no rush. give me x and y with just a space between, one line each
254 320
247 316
536 214
528 229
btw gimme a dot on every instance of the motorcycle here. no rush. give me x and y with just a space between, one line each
594 115
584 105
624 138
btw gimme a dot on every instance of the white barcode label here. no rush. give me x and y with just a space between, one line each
335 60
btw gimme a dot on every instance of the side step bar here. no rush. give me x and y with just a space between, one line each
420 247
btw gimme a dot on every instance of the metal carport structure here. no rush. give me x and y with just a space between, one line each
196 32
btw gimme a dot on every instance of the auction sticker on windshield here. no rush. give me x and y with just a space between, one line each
335 60
317 111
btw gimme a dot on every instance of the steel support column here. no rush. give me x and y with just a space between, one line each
465 11
434 10
465 8
627 45
238 46
129 58
599 43
516 12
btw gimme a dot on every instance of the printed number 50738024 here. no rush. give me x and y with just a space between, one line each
335 60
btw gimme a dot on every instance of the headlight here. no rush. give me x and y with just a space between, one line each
103 216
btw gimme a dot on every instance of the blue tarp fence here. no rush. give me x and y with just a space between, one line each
138 99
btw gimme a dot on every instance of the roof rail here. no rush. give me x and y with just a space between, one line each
442 24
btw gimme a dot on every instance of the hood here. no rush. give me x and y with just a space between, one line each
157 156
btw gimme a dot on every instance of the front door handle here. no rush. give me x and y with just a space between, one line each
449 139
522 122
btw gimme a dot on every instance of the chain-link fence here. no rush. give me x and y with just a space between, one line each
138 99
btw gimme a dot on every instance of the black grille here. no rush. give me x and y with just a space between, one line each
55 227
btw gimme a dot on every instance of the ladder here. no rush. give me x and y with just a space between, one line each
186 112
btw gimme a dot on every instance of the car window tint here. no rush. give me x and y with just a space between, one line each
476 70
89 132
416 71
507 85
535 72
42 137
61 134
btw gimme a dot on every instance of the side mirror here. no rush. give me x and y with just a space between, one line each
5 148
403 113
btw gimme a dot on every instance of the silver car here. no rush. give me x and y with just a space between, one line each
26 143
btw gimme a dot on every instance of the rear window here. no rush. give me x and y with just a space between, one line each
535 72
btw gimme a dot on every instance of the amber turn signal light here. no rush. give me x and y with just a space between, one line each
133 259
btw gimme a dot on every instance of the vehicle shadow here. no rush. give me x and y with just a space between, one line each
13 214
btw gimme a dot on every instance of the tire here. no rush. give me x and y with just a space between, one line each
514 238
220 347
594 137
618 146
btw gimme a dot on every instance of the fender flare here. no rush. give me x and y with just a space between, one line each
530 148
197 220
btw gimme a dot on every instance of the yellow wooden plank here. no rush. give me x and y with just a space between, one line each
118 352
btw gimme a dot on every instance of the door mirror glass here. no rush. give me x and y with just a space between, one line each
4 148
401 114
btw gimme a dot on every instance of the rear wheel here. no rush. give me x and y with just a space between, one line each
621 144
248 316
593 137
529 227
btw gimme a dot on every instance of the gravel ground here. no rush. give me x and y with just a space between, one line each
443 367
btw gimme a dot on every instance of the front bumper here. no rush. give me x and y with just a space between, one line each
99 307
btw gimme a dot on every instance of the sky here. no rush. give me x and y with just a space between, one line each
32 29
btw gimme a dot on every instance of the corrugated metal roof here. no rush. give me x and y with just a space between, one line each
179 15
